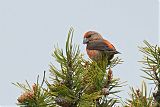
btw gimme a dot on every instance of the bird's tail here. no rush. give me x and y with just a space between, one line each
113 52
116 52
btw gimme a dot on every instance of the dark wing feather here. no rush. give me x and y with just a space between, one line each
99 45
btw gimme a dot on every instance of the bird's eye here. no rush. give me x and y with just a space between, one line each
89 36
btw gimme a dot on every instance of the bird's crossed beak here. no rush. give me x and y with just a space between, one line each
85 41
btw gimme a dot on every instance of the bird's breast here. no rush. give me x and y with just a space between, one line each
94 54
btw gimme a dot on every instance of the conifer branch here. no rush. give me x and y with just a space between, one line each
151 62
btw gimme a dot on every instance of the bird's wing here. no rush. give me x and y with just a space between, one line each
102 45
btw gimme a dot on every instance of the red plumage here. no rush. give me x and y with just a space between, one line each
97 47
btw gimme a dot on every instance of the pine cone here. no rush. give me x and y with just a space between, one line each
62 102
26 96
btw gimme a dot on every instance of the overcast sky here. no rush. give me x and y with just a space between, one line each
30 28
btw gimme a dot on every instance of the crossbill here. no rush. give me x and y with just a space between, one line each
98 48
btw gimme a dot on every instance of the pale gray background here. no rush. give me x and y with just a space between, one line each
30 28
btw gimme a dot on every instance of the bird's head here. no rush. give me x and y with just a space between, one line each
91 36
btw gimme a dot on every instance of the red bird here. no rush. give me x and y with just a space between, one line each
97 47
